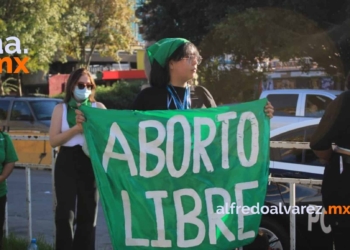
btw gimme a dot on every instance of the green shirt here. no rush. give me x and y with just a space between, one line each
7 154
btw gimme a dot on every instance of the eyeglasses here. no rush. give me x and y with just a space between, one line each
82 85
191 58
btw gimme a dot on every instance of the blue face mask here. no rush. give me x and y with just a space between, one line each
81 94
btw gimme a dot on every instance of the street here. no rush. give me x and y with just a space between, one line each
42 208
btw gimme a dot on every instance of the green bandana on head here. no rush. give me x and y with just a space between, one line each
72 106
163 49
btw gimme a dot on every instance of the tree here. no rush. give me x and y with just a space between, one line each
181 18
34 23
258 34
229 85
315 32
196 19
90 25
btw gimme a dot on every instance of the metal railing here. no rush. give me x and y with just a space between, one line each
292 182
273 144
28 167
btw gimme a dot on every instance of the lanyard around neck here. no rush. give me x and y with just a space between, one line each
184 104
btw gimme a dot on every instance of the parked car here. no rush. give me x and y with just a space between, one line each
295 105
312 232
291 162
26 113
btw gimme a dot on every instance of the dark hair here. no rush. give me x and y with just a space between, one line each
72 81
160 76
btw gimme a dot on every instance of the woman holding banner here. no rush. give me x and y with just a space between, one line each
74 176
174 64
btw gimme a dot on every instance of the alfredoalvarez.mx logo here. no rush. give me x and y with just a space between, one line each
13 47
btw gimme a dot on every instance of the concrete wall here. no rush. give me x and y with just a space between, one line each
57 83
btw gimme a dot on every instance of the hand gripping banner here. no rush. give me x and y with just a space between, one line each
179 179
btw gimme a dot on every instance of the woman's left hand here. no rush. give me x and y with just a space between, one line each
269 109
79 117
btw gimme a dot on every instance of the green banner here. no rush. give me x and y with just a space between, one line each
177 179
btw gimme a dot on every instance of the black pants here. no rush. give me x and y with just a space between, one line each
336 192
75 191
341 237
3 200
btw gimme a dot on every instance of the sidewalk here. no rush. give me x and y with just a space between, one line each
42 209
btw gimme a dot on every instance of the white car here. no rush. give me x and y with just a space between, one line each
292 162
295 105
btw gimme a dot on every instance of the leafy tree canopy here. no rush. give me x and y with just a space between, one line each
316 32
35 24
90 25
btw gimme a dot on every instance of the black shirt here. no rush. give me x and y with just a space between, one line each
334 127
153 98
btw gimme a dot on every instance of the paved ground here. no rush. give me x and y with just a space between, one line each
42 208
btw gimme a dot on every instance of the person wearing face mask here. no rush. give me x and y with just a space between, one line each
76 192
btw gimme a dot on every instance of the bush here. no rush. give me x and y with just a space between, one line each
16 243
120 95
60 96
